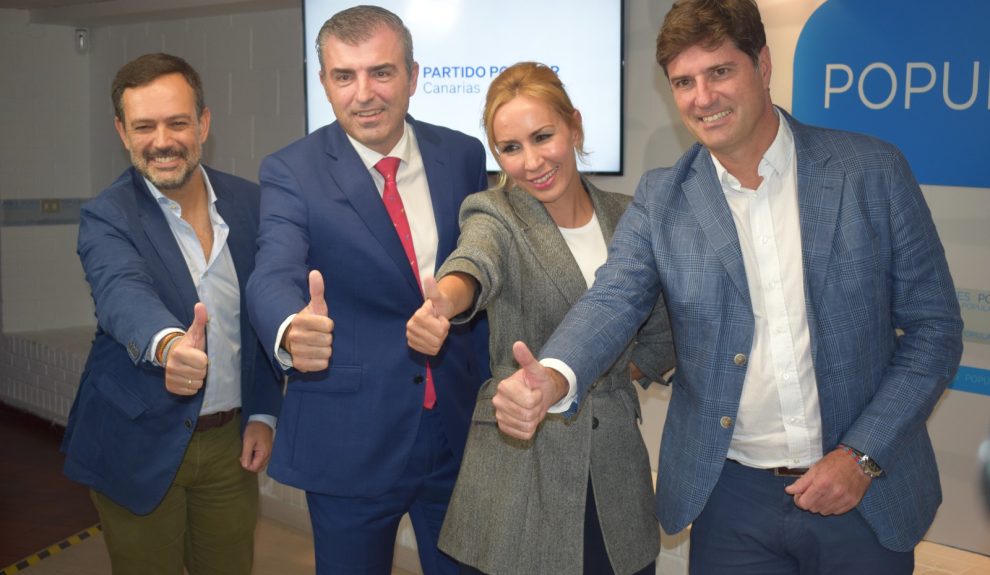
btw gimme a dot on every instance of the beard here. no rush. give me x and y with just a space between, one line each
166 179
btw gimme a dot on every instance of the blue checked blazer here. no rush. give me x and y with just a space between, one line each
881 307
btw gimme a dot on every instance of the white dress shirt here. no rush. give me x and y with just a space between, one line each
216 284
414 190
779 421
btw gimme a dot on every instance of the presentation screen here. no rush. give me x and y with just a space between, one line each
461 45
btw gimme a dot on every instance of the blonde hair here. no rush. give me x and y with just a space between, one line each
537 81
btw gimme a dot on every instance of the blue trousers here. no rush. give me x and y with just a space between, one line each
751 526
356 535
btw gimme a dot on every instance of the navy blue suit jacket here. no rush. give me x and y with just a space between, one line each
126 434
873 265
348 430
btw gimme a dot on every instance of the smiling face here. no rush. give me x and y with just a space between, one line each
369 87
162 132
535 148
724 100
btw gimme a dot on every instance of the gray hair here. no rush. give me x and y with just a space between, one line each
357 24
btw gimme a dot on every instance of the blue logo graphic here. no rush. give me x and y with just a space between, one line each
972 379
914 73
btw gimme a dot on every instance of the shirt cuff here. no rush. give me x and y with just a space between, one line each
269 420
564 404
149 354
283 357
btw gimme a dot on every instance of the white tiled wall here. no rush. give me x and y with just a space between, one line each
43 282
59 141
39 378
44 153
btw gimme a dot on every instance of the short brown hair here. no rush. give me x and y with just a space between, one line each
537 81
143 70
708 23
358 23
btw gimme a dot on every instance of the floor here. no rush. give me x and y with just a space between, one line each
38 505
39 509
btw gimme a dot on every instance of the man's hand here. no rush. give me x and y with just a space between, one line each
256 446
427 329
186 362
523 398
832 486
309 337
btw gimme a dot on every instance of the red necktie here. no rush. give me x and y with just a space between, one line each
393 204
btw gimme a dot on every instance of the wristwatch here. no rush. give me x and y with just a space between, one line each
866 464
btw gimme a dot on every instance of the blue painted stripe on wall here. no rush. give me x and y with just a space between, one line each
972 379
45 212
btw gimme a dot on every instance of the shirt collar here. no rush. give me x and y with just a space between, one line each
776 159
163 199
401 150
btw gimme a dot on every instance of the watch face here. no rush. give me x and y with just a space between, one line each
870 467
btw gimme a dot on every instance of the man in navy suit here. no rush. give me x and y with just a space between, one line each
813 314
176 408
370 431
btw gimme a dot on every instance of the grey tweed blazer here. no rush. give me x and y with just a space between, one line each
518 507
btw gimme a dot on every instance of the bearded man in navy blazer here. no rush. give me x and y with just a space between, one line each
174 415
813 314
369 429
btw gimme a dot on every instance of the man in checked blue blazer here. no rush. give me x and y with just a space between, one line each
814 318
361 431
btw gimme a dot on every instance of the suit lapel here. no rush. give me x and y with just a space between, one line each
241 233
241 241
608 211
819 188
160 236
704 193
346 169
548 246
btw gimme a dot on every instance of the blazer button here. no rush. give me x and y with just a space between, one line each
725 422
739 359
188 423
418 379
594 423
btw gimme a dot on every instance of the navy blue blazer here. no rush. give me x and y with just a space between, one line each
126 434
348 430
873 265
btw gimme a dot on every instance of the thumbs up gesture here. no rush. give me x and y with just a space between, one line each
427 329
186 362
522 399
309 337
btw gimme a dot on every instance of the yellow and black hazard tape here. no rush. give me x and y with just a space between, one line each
51 550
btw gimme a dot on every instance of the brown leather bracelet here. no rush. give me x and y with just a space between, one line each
164 345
